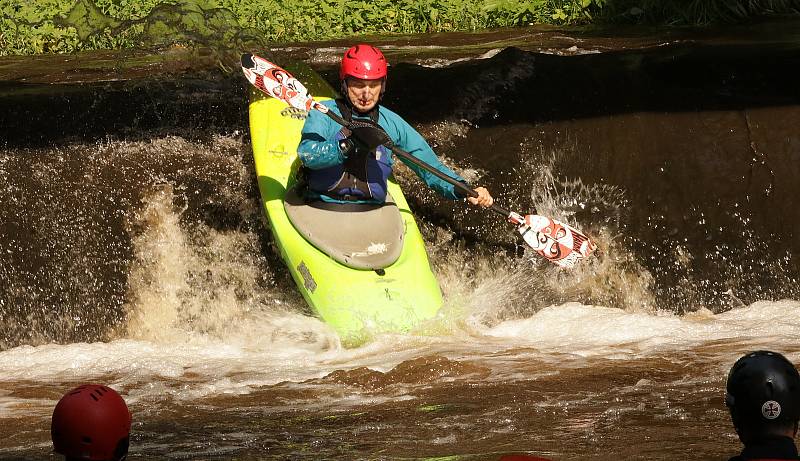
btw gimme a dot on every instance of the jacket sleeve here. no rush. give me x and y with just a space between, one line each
318 146
412 142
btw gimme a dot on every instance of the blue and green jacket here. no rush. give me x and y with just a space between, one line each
320 152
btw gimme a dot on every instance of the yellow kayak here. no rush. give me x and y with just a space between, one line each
362 268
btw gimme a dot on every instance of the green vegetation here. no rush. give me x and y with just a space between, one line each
64 26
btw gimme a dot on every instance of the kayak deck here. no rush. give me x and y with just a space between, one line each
359 235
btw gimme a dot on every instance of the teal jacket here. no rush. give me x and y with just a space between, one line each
320 152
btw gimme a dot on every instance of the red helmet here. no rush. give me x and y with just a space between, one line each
91 422
363 61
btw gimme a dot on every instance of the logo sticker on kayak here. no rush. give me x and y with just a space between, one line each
295 113
308 280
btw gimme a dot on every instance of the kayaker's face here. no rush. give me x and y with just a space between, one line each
363 94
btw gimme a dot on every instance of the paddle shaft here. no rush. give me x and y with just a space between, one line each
405 155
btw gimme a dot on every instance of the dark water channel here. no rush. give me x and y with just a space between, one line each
134 251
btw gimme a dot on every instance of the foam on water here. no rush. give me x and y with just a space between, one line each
206 316
600 331
224 333
237 365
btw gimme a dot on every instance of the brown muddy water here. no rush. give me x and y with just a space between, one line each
134 252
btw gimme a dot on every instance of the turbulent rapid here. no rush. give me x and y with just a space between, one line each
135 253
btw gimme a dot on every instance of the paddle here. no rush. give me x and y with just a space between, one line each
559 243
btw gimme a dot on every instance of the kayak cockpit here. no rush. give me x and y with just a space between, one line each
358 235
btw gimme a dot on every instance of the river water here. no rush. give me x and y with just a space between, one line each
134 252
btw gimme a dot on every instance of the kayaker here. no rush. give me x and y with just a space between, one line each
763 397
91 422
343 165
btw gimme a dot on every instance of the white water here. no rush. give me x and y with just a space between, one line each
264 353
200 324
200 328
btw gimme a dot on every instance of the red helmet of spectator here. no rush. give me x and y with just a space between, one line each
91 422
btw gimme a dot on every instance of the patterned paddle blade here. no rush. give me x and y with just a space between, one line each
560 243
276 82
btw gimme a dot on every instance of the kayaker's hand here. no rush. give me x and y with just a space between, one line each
369 134
484 199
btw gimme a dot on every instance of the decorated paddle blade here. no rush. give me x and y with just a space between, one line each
559 243
277 82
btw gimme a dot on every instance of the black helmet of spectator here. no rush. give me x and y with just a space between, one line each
763 395
91 422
